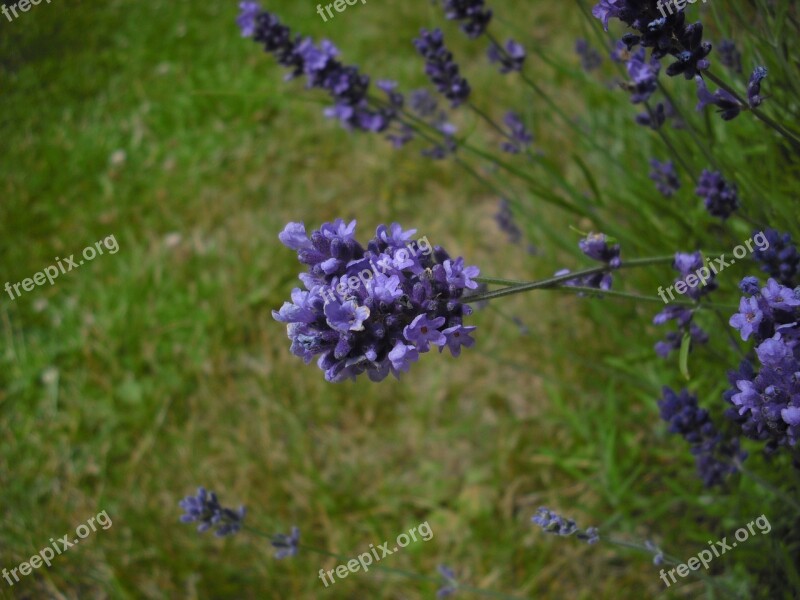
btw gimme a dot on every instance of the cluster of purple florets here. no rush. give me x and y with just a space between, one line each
440 67
472 14
665 177
686 264
552 522
779 258
206 509
373 310
715 456
720 196
347 87
666 33
766 403
599 247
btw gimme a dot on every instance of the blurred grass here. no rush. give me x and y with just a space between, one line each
143 374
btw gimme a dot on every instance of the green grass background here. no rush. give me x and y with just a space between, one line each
143 374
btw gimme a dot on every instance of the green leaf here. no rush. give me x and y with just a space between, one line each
684 355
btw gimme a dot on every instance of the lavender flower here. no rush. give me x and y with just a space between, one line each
754 86
653 118
450 585
780 258
440 67
766 404
729 107
665 34
206 509
599 247
665 177
474 17
720 197
505 221
510 59
286 545
521 137
373 310
551 522
686 265
590 58
658 554
347 87
644 76
714 456
730 56
247 18
426 107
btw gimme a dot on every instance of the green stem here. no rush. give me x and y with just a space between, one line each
765 484
409 574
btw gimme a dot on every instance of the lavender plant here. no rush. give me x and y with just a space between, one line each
416 300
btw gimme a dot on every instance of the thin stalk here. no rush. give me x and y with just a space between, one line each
409 574
765 484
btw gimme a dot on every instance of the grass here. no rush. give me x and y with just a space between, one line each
142 374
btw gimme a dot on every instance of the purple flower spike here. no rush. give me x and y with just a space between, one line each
715 456
286 545
729 107
720 197
665 177
510 58
247 18
373 309
754 86
440 67
205 508
473 15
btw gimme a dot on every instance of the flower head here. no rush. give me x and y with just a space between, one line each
729 107
206 509
373 309
729 55
644 76
754 86
665 177
520 137
286 545
720 197
552 522
440 67
714 455
473 15
590 58
450 585
510 58
347 87
778 256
